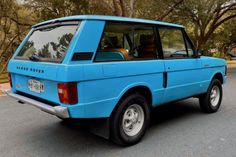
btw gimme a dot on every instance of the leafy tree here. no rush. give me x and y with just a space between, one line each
14 24
157 9
204 17
225 38
57 8
210 23
151 9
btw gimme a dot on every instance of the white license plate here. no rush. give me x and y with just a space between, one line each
35 86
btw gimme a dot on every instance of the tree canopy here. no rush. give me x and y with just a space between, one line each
211 24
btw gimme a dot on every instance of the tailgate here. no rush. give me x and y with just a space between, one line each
34 78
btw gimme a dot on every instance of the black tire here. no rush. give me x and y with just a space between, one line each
117 132
205 99
65 120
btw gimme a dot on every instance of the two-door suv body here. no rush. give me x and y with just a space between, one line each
114 68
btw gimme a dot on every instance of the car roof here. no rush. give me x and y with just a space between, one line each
107 18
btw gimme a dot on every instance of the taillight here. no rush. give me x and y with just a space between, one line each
68 93
9 78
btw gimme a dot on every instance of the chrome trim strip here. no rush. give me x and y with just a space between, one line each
59 111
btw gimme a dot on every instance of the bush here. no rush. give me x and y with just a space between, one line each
220 55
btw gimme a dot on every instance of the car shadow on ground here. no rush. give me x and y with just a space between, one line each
72 137
174 111
159 115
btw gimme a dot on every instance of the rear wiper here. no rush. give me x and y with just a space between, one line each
34 57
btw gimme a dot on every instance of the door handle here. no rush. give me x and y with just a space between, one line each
165 79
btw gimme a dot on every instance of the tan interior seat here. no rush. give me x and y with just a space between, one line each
112 46
147 47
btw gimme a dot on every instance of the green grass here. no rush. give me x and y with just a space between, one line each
3 81
231 62
3 78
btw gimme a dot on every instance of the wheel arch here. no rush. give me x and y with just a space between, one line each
142 89
219 76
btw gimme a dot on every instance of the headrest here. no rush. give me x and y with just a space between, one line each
146 39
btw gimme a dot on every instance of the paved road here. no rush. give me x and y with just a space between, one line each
177 130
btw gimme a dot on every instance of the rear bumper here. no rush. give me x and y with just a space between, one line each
59 111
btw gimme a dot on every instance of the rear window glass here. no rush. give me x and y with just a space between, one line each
48 44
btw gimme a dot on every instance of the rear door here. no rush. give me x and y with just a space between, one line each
182 69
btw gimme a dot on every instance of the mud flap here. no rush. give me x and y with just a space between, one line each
100 127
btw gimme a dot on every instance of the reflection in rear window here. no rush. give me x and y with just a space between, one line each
48 44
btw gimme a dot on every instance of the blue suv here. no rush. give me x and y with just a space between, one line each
112 68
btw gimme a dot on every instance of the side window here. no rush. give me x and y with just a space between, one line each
145 43
173 44
127 41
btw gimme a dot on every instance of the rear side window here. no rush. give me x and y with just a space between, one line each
127 41
48 44
173 43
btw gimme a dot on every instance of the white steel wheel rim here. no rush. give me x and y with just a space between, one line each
215 96
133 120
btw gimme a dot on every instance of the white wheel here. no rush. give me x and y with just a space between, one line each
210 101
130 120
133 120
215 96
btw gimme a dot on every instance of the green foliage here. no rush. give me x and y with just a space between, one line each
218 55
51 9
231 62
14 24
221 55
3 78
210 23
205 18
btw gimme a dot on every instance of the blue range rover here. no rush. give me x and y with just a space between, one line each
113 68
